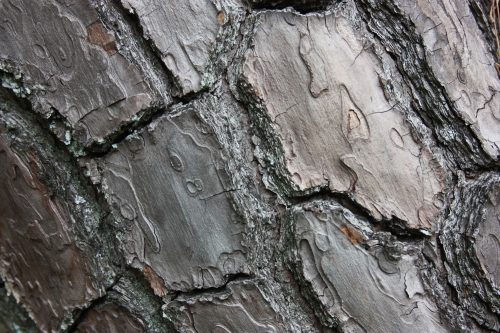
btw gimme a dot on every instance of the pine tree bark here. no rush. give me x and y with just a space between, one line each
249 166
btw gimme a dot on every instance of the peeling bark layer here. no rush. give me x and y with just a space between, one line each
339 255
470 240
168 182
239 308
71 62
108 318
184 32
249 166
47 232
368 131
301 5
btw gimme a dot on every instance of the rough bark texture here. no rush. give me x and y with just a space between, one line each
249 166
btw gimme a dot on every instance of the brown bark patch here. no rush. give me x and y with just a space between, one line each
352 234
221 17
156 282
98 35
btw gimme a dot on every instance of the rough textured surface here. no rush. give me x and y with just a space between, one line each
336 128
301 5
169 183
339 255
133 293
471 244
70 60
46 259
108 318
184 33
12 316
461 63
240 307
488 237
430 102
249 166
36 228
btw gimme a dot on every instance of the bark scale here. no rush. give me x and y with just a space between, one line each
249 166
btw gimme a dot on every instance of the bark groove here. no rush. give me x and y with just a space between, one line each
249 166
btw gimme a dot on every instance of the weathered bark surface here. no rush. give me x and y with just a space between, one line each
249 166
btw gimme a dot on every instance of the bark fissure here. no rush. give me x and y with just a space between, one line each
396 33
249 166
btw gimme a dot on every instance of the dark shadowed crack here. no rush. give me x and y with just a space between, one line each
213 290
302 6
395 226
480 9
56 123
432 104
135 294
60 172
143 119
136 47
132 292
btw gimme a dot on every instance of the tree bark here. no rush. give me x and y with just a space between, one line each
249 166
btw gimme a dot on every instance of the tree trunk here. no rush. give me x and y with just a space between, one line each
249 166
